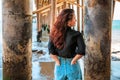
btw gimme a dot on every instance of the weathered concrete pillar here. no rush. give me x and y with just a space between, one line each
98 39
17 39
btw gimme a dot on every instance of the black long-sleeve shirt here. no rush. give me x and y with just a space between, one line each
74 44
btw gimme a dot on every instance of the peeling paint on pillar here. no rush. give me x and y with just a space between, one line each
17 39
98 39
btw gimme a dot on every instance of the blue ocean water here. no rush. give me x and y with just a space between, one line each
116 25
115 32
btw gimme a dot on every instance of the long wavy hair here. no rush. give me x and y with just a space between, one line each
58 30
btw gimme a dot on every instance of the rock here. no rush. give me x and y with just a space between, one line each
115 58
34 50
40 52
116 52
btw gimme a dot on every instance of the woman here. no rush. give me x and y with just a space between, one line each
66 46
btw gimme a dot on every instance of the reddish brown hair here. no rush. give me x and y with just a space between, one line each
57 33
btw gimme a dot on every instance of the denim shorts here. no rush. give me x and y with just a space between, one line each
66 71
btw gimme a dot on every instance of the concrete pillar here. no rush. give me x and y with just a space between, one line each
98 39
17 39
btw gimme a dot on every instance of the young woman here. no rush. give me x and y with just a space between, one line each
66 46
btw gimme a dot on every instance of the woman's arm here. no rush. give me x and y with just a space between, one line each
80 49
55 58
78 56
52 52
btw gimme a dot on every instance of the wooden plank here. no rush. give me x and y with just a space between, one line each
73 3
82 16
64 5
78 16
45 11
48 6
60 4
53 12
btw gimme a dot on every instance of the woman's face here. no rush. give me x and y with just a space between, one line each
72 22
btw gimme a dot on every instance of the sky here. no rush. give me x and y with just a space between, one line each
117 11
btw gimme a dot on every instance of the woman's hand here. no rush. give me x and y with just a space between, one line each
57 62
74 60
55 58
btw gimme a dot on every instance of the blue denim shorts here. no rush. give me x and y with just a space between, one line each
66 71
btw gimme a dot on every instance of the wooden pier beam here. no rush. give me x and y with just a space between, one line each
78 16
53 12
98 20
17 39
82 28
113 8
38 17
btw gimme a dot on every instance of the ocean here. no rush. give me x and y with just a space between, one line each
116 25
